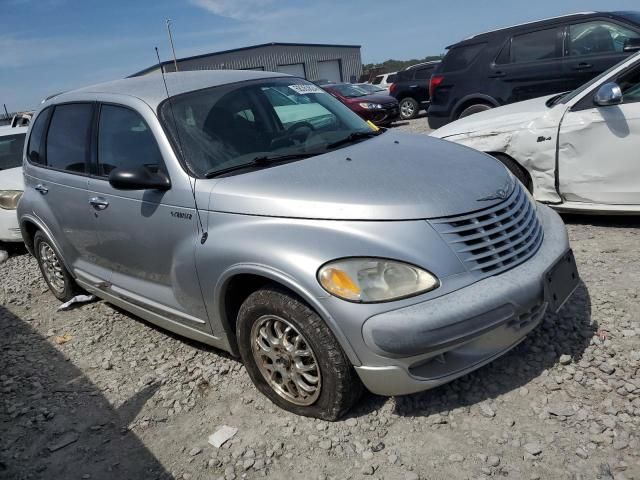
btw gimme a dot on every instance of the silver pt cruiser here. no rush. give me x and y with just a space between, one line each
254 212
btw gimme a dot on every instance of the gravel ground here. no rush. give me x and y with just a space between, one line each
97 393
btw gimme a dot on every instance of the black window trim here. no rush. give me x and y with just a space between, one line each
87 153
43 140
567 35
96 135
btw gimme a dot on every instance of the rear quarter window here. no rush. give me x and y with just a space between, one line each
459 58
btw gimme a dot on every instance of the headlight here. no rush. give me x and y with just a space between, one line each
371 106
9 199
368 280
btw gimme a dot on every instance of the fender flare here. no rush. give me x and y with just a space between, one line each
286 281
47 233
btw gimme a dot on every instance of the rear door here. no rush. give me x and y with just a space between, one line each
59 150
420 84
598 159
592 47
147 237
528 66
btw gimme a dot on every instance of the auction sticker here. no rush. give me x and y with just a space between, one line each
305 89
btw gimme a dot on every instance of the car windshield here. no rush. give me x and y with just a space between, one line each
11 151
349 91
223 127
566 98
371 88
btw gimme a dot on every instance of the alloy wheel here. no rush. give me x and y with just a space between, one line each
51 267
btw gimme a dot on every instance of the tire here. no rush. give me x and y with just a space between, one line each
515 168
409 108
53 270
473 109
337 386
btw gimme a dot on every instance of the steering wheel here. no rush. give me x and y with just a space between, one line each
298 132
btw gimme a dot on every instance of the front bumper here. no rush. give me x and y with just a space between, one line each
434 342
9 228
381 117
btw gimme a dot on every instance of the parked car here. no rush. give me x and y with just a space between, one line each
371 88
377 108
326 258
411 88
11 183
384 80
577 151
528 61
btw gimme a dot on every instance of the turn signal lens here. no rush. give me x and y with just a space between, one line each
369 280
9 199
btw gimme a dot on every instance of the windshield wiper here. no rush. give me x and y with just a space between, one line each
352 137
258 162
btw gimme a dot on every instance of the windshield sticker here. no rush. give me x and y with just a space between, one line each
305 89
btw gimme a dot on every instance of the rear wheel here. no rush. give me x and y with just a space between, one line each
293 358
475 108
408 108
53 270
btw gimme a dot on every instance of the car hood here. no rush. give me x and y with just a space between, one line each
502 119
373 98
11 179
395 176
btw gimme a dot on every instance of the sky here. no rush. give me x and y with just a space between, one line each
48 46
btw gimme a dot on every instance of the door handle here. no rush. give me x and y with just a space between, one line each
98 203
498 75
582 66
42 189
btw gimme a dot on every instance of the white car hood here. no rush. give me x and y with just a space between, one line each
511 117
11 179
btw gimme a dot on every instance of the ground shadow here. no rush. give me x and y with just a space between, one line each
55 423
616 221
568 332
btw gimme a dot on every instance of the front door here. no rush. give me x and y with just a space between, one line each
599 154
147 237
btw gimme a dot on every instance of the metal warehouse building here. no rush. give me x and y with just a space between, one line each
336 63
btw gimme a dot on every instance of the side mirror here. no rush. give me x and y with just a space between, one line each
631 45
139 178
608 94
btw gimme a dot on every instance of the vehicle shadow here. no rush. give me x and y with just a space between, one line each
55 423
568 332
617 221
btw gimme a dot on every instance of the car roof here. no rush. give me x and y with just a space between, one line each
9 130
500 32
422 64
150 88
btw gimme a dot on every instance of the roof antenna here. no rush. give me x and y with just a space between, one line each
205 235
175 60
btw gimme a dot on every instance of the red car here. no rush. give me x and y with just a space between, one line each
380 109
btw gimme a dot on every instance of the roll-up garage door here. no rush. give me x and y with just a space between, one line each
329 70
295 69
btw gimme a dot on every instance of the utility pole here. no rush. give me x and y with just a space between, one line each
175 60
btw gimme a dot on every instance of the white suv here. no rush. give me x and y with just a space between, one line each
11 183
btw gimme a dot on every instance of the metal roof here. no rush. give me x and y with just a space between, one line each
241 49
150 89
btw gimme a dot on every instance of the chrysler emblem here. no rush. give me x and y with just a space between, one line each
499 195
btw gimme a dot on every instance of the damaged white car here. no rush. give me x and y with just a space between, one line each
578 151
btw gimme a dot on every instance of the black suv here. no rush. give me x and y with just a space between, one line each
411 88
528 61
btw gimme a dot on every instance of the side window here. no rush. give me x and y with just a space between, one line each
68 137
534 46
459 58
35 151
598 37
125 141
630 85
423 73
11 151
377 80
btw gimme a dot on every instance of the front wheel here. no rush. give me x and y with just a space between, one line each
293 358
473 109
408 108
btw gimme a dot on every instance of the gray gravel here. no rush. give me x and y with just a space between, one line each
96 393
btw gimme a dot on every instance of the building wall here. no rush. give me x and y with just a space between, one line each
270 56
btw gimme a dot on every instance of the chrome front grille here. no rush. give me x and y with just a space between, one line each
495 239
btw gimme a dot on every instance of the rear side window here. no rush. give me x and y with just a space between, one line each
535 46
598 37
11 151
392 78
125 141
377 80
423 73
35 151
68 137
459 58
